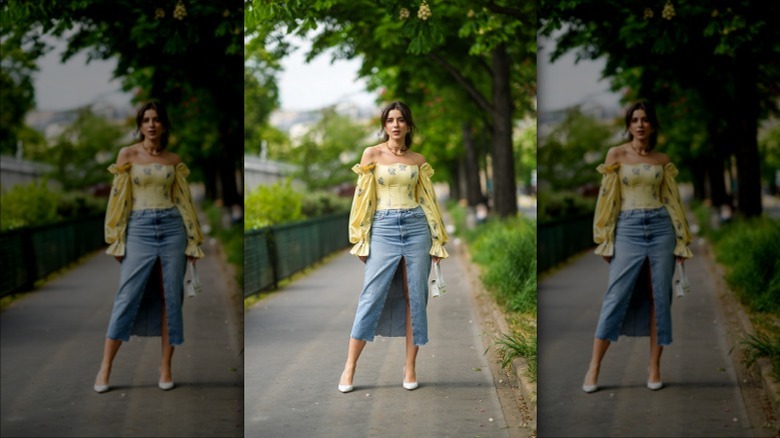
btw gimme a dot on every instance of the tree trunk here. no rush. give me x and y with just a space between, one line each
715 160
471 167
504 179
746 127
228 165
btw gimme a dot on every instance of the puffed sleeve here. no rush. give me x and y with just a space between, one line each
607 209
182 198
426 197
363 207
670 196
118 210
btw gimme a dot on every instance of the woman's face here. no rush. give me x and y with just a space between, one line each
640 127
151 126
396 126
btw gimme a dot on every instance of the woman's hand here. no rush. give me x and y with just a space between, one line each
192 259
680 259
607 258
119 258
363 258
436 259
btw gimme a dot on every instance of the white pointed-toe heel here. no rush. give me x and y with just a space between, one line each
100 388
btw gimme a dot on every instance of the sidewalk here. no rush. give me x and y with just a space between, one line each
52 343
296 345
702 394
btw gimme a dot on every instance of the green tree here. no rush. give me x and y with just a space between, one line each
568 155
83 151
325 153
188 56
720 53
17 93
486 49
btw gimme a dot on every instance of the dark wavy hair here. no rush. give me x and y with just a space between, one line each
649 110
407 115
162 114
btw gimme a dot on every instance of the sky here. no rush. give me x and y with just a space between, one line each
565 83
319 84
308 86
311 86
75 83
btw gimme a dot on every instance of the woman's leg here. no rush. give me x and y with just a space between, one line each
600 347
110 348
353 354
655 349
410 374
166 349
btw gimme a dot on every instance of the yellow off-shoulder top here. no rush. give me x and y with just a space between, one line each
396 185
635 186
149 186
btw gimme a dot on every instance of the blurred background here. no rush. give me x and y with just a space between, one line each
316 79
73 74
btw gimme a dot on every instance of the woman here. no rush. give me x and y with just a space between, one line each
152 230
640 228
396 226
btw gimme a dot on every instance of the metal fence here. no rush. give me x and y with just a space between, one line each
31 253
274 253
558 240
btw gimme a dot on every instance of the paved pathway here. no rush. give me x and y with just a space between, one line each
296 344
52 342
702 396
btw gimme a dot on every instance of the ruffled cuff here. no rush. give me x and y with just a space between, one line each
360 249
605 249
116 249
437 250
681 250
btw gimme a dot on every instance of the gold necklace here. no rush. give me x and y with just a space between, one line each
395 153
641 154
151 151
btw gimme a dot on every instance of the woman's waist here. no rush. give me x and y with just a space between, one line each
171 211
643 212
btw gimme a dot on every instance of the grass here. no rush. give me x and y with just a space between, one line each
506 252
748 250
231 237
763 345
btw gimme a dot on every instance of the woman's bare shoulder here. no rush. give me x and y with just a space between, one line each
127 154
417 158
661 158
370 154
615 154
172 158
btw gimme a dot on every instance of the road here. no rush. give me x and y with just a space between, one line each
51 345
702 394
296 342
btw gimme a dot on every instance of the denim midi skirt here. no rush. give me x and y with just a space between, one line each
381 311
152 236
640 277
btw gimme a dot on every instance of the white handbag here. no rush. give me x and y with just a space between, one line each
681 285
437 286
193 282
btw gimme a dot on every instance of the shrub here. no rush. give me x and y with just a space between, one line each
27 205
323 203
274 204
507 251
750 250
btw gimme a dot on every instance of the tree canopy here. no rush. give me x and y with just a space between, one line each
188 56
482 53
711 64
